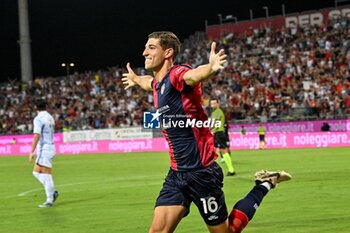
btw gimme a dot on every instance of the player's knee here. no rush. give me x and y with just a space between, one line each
158 228
35 173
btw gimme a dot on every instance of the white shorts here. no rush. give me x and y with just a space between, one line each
45 157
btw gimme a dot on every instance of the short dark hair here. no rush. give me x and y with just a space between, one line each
215 99
40 104
167 40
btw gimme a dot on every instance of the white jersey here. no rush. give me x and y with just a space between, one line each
44 125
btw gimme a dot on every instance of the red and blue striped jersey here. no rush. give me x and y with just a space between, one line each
190 147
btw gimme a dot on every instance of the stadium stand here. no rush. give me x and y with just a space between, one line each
272 75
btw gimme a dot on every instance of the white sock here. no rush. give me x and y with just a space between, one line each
266 185
49 187
38 177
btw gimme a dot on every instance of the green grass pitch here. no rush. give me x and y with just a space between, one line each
116 193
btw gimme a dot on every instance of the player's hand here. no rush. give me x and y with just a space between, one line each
128 78
31 157
216 60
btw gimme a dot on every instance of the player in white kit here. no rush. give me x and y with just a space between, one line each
43 145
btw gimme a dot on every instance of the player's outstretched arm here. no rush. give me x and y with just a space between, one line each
201 73
130 79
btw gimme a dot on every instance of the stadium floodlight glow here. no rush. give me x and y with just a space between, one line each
67 65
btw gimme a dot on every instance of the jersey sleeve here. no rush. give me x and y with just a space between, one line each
37 126
176 77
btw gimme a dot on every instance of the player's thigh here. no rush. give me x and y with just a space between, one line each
262 138
45 160
207 194
221 140
166 218
42 169
221 228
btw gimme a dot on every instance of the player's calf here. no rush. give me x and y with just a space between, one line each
245 209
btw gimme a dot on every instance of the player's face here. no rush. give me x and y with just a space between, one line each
214 104
154 55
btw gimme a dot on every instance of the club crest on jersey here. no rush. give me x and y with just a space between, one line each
162 89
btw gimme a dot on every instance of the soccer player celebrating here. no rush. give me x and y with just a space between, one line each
43 143
220 136
194 176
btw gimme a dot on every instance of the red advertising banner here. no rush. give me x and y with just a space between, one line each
302 19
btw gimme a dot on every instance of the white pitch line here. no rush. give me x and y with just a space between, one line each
91 182
62 185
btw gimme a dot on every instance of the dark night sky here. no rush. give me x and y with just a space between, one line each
95 34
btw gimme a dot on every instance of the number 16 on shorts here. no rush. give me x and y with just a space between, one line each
209 204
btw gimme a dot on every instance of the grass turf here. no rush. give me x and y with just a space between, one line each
116 193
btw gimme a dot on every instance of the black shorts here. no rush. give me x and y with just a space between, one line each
220 140
227 140
262 138
203 187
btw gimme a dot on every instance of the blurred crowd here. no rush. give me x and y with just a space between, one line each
90 100
271 75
